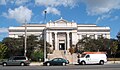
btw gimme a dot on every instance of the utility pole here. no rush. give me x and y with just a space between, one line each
45 52
25 48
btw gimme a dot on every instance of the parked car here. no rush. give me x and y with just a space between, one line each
93 58
56 61
16 60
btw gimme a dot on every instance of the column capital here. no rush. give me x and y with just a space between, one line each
67 32
55 32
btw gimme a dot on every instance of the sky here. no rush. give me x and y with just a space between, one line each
100 12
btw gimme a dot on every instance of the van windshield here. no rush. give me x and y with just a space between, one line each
83 55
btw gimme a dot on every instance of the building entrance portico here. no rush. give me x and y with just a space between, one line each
62 40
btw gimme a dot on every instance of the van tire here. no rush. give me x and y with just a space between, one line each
83 62
101 62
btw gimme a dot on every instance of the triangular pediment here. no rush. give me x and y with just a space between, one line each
61 20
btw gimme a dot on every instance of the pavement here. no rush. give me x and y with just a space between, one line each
41 63
36 63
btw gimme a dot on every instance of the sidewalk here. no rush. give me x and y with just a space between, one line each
41 63
113 62
36 63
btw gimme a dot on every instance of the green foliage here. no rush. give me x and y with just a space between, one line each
31 44
3 50
114 47
14 45
37 55
88 44
118 36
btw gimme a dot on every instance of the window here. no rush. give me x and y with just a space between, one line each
55 59
83 36
88 56
100 36
19 58
92 36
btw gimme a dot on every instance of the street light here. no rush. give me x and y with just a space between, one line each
45 38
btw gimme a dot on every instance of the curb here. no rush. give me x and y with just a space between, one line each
41 63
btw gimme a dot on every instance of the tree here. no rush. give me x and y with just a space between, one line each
88 44
118 36
3 50
32 42
14 45
114 47
37 55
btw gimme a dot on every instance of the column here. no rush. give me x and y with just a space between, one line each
96 36
68 41
80 36
56 46
88 35
50 38
47 39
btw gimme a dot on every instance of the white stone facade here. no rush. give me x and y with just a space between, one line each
61 34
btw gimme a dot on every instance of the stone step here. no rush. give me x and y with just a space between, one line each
62 54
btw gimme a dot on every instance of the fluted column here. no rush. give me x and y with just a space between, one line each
56 46
50 38
68 41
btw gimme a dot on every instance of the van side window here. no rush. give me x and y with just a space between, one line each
88 56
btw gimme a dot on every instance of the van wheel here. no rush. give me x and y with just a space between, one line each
22 64
83 63
101 63
4 64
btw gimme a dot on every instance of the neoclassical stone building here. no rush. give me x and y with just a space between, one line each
61 34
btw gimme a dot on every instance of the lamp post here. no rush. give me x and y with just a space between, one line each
45 52
25 44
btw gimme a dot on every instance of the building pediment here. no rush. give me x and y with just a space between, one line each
61 23
61 20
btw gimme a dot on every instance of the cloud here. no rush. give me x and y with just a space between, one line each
16 2
98 7
2 2
20 2
52 10
114 18
55 3
21 14
3 30
48 4
103 17
52 4
106 16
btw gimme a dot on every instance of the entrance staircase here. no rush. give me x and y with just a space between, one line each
64 54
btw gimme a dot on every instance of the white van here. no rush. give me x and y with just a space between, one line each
93 58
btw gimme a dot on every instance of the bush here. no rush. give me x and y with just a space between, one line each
37 56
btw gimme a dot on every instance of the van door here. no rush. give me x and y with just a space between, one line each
88 59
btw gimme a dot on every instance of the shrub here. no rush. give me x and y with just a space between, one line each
37 55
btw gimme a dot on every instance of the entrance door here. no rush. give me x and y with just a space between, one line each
61 46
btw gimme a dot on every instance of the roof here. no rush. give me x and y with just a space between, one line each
94 53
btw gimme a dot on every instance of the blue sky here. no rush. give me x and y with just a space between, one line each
100 12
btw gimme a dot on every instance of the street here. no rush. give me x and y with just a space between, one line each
69 67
